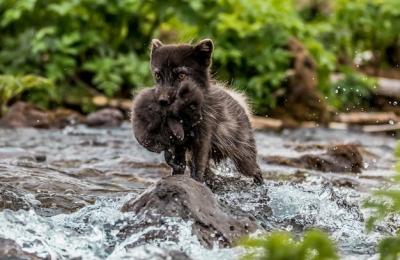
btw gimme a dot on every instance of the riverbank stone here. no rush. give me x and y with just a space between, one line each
179 196
336 158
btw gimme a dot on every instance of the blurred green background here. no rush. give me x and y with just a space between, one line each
65 52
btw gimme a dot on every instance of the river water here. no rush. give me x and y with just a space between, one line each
61 192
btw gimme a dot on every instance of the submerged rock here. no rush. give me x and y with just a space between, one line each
150 252
11 250
22 114
11 198
106 117
181 197
337 158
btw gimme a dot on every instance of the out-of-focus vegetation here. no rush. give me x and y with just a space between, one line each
11 87
89 47
354 89
315 245
368 25
386 204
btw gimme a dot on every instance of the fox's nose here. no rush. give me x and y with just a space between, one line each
163 102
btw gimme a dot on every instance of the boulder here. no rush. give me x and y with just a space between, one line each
179 196
9 249
336 158
149 252
12 198
22 114
106 117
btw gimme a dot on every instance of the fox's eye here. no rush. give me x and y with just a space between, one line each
157 75
181 76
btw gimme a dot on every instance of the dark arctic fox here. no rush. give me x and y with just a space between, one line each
160 128
225 130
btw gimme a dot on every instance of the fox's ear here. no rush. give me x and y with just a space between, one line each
176 128
155 43
203 50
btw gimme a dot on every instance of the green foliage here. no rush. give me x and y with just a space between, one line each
91 43
11 87
386 203
366 25
389 248
397 153
315 245
354 91
102 46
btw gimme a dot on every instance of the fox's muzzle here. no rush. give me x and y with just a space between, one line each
165 95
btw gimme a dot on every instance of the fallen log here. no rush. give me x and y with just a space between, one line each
367 118
388 87
121 103
259 122
381 128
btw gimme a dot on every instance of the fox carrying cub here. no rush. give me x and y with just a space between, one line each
214 120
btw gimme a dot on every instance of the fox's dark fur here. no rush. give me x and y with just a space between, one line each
225 130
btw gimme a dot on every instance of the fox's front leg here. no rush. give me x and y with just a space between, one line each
200 156
176 158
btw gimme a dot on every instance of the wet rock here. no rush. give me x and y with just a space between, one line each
46 191
176 255
62 117
27 115
9 249
179 196
220 184
106 117
337 158
345 182
43 202
149 252
11 198
40 157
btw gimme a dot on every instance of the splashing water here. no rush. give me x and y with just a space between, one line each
91 233
109 168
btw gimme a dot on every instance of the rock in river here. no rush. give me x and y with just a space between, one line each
106 117
337 158
11 250
22 114
182 197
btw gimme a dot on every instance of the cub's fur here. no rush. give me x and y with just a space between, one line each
159 128
151 126
188 104
225 130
